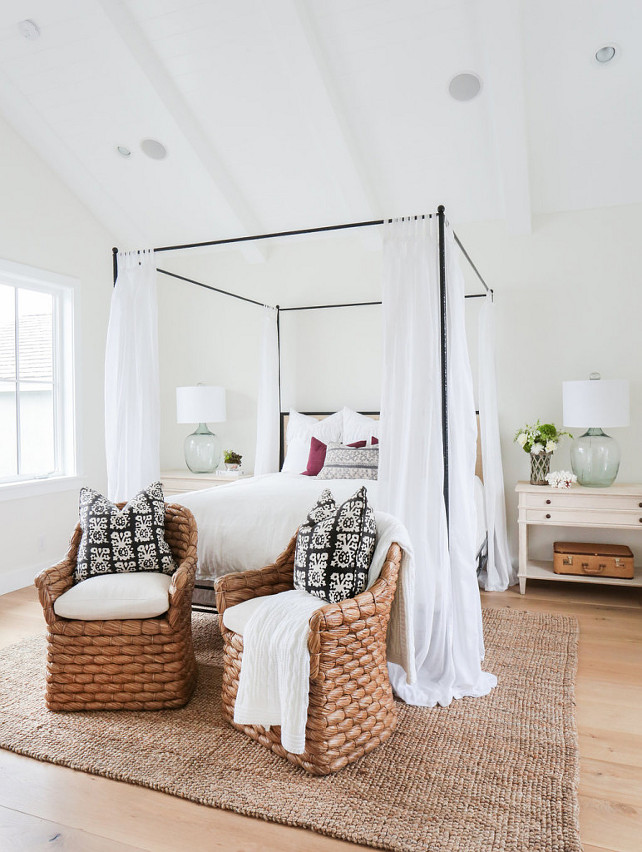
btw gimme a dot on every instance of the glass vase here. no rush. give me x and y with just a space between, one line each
540 466
202 450
595 459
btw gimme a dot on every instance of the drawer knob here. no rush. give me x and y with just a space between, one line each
548 516
640 505
548 502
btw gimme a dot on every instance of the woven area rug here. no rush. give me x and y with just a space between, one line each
493 773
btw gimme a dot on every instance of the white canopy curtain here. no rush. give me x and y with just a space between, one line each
132 389
499 573
448 630
268 404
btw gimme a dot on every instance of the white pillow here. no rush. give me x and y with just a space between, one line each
301 429
140 594
358 427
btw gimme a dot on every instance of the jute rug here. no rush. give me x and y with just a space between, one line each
493 773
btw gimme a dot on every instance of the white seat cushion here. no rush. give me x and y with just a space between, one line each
116 596
236 617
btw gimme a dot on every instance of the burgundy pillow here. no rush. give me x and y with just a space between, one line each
316 459
374 441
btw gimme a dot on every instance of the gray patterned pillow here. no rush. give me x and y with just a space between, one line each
343 462
116 541
334 548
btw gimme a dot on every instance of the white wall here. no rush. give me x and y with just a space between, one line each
43 224
568 302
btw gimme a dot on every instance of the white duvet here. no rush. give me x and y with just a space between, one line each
246 524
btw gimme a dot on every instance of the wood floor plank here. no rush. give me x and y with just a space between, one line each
618 821
605 780
25 833
142 817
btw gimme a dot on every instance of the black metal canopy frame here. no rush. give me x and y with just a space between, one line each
441 216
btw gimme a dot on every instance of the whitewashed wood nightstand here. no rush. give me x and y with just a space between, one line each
616 507
182 481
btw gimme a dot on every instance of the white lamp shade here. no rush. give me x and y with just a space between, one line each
596 403
200 404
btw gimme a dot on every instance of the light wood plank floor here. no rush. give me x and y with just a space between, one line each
50 807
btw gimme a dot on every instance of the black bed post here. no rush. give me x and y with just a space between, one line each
278 346
443 331
114 262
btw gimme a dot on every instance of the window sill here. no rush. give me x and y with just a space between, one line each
39 487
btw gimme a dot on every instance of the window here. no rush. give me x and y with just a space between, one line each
36 374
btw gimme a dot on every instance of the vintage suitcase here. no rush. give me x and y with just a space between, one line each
593 560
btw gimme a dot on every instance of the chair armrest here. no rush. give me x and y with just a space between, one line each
181 590
370 609
53 581
232 589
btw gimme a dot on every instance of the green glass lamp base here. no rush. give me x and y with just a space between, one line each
202 450
595 459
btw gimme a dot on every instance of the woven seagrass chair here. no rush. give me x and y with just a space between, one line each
351 708
129 664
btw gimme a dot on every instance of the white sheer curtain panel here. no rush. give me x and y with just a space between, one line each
499 573
267 413
132 389
447 609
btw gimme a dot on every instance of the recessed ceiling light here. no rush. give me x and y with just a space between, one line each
154 149
464 87
124 151
29 29
605 54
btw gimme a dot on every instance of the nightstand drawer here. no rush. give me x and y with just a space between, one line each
584 517
576 500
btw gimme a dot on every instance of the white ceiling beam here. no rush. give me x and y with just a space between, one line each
37 132
239 211
313 91
500 28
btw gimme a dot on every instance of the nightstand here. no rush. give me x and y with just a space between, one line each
182 481
618 507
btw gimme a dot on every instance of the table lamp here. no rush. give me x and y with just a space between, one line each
201 404
595 456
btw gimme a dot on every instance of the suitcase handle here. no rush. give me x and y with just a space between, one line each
601 568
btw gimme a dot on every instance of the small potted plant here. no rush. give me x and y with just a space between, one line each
540 442
232 460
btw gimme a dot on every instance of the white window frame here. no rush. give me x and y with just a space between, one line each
65 291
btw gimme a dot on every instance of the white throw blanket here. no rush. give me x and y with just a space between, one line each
275 671
275 664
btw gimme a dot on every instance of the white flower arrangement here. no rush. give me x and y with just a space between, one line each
561 478
539 438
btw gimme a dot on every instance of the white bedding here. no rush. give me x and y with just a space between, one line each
245 525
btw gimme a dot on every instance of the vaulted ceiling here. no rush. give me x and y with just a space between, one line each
294 113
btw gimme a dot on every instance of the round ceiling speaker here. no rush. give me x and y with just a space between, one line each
464 87
154 149
605 54
29 29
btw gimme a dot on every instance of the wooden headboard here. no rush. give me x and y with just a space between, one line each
320 415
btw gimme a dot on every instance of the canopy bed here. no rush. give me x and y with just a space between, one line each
428 417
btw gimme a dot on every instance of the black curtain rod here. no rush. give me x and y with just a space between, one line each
323 307
475 270
285 234
209 287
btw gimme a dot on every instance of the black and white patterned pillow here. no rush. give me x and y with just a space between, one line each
343 462
116 541
334 548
